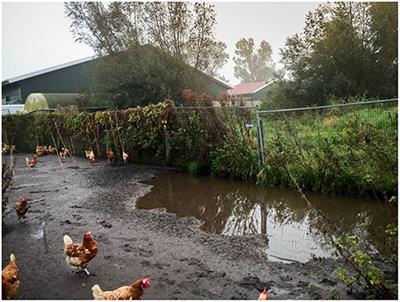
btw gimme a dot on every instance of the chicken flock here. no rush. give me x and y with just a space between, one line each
44 150
77 254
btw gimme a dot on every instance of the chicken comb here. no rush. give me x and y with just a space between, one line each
146 282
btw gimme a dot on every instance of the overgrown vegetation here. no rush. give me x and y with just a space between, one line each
346 49
142 131
364 270
350 152
338 152
236 157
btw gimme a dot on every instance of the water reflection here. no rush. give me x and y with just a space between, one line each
237 208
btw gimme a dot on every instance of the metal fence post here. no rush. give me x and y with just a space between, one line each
260 138
167 148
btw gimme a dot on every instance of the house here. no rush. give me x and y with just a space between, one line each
249 94
72 78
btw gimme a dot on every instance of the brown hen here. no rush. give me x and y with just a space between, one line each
110 155
40 150
22 208
131 292
80 254
10 279
31 162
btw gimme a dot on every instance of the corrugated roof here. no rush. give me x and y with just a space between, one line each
248 88
46 70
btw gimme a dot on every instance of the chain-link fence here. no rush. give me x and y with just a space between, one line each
381 114
336 148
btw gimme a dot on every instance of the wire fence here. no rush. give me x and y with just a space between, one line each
378 117
343 148
370 122
307 122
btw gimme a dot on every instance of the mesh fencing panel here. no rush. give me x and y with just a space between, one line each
341 149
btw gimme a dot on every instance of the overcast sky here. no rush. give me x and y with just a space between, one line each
37 35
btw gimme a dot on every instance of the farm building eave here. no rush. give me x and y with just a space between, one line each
46 70
266 85
248 88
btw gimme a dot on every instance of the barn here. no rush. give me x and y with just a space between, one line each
70 78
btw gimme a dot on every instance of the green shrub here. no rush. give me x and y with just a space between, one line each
236 160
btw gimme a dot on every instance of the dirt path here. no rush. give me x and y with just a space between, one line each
182 261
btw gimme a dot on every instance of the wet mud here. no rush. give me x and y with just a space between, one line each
182 261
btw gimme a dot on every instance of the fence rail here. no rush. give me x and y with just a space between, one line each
329 106
215 107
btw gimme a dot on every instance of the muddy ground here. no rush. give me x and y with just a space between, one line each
182 261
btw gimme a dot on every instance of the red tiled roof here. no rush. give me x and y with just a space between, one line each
246 88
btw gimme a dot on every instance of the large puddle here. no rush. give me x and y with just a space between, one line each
236 208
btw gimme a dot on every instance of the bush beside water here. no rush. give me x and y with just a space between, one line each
352 152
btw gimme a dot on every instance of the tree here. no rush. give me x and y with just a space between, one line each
140 76
384 28
144 48
346 49
253 65
184 30
108 30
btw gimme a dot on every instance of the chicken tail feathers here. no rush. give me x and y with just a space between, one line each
67 240
12 257
97 292
27 160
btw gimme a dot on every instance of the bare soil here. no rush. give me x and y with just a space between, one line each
182 261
